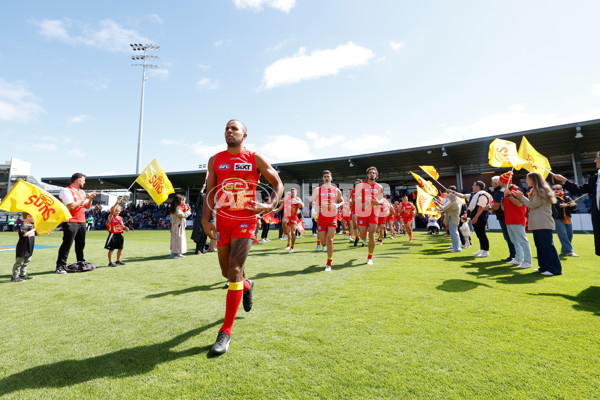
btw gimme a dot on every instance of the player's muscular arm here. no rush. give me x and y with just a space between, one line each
209 200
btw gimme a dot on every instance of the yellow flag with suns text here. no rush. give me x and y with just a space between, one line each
47 211
503 154
430 170
533 161
426 185
424 199
154 180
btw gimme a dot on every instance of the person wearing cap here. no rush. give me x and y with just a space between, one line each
515 217
498 196
592 189
561 212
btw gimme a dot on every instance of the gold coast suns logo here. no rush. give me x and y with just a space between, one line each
531 161
501 154
235 194
422 201
43 203
158 183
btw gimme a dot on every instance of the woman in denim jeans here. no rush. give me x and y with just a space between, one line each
561 211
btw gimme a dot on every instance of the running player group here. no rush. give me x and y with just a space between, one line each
231 183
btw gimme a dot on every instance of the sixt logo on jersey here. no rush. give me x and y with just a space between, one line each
224 166
242 167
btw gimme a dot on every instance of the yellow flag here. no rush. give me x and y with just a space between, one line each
426 185
430 170
47 211
531 160
423 200
503 154
156 183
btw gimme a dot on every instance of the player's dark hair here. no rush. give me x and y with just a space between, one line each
326 172
76 176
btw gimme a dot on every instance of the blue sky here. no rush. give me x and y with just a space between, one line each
310 79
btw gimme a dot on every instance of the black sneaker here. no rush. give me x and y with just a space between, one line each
25 277
221 345
112 264
356 242
119 262
507 259
60 271
17 279
247 297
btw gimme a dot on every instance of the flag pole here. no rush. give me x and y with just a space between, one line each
538 165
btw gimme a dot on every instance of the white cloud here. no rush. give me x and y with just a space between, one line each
517 107
295 149
161 74
203 67
78 153
320 142
396 45
278 46
365 143
155 18
205 83
45 147
508 122
218 43
206 151
17 103
78 119
596 89
319 63
257 5
108 35
171 142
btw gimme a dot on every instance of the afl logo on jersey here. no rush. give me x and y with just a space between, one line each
224 166
243 226
242 167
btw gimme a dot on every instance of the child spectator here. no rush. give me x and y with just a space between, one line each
24 249
433 226
465 231
115 238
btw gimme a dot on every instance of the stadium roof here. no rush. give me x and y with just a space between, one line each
564 145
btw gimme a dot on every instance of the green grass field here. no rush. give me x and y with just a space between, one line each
420 323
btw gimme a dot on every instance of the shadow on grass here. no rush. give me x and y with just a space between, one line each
150 258
202 288
588 300
308 270
459 285
119 364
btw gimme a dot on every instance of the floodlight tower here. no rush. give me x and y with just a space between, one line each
143 48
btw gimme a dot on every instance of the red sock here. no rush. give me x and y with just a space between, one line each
246 285
234 298
292 247
370 256
329 262
318 242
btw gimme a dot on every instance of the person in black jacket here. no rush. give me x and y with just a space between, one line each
592 188
561 212
24 249
198 234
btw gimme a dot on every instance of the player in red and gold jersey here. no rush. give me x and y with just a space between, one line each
369 196
346 215
384 212
326 200
391 219
115 240
354 232
407 211
291 208
232 177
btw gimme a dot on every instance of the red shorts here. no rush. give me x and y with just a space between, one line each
230 228
381 220
408 220
324 223
293 220
391 218
365 221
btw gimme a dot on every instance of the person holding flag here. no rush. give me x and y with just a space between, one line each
591 188
77 201
232 179
451 209
179 211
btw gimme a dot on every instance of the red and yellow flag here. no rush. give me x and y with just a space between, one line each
47 211
154 180
424 199
300 225
531 160
430 170
503 154
270 218
426 185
